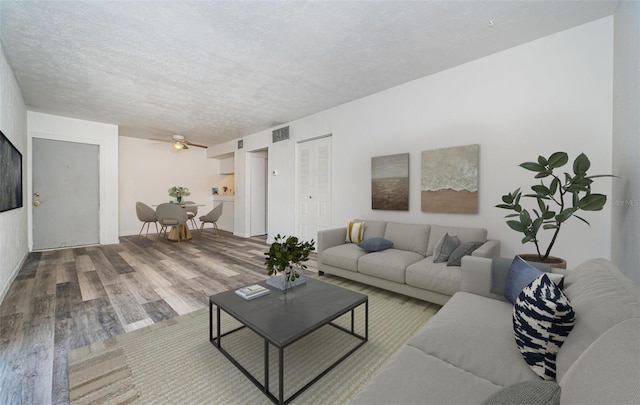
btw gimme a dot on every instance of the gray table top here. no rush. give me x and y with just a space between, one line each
283 322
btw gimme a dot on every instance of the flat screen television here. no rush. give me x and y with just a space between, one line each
10 175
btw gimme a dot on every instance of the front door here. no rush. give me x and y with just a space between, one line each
66 196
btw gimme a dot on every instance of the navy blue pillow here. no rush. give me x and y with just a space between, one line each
521 274
375 244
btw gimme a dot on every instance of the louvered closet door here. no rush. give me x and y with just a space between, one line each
313 187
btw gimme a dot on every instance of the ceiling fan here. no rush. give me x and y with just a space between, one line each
179 142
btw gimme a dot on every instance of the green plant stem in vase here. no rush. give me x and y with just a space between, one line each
285 253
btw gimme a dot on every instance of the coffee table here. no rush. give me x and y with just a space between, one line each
283 322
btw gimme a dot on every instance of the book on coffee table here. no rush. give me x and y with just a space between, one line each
252 291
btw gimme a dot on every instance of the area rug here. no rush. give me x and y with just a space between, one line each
173 362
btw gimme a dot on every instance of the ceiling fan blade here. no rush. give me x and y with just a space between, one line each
195 144
161 140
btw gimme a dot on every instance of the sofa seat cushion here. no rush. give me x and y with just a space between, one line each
601 297
414 377
437 277
388 265
607 372
343 256
411 237
464 234
475 333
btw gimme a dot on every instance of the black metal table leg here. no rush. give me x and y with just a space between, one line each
266 365
218 327
281 374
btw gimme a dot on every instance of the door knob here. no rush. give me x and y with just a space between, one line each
36 195
36 203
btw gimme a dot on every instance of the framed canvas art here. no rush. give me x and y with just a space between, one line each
449 180
10 175
390 182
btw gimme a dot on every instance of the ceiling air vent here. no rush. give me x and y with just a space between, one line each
280 134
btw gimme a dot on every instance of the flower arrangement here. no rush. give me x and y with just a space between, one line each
179 191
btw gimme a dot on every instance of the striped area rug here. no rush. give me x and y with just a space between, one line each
173 362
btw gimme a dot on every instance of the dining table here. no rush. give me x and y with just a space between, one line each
181 232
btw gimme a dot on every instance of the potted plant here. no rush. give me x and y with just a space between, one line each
284 253
558 198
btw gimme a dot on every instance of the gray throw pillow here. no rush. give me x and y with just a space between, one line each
375 244
527 393
455 258
445 246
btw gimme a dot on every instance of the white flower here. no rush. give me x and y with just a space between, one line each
179 191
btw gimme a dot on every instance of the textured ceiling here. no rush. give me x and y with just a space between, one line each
219 70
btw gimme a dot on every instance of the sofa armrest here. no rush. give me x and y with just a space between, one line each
491 248
476 277
331 237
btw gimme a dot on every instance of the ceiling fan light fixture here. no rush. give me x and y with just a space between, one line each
178 145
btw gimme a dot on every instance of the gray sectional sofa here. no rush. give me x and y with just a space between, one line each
406 268
466 354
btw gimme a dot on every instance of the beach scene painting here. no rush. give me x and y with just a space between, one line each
390 182
449 180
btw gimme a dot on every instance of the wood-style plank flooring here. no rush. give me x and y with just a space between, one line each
69 298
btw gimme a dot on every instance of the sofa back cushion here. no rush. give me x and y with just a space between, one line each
601 297
464 234
410 237
373 229
607 372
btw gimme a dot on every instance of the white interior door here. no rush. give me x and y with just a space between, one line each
258 179
66 199
313 187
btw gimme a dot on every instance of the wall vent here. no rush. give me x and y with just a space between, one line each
280 134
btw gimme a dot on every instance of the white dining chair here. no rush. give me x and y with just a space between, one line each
212 218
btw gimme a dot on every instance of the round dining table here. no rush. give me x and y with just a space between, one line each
181 232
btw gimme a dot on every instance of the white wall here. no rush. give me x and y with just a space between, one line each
626 139
14 245
149 168
548 95
106 137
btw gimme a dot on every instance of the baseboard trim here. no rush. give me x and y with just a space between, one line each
12 277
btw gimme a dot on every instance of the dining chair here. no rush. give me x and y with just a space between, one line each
146 215
169 214
192 211
212 218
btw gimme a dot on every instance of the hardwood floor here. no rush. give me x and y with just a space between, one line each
69 298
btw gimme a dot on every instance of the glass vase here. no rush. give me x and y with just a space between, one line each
287 288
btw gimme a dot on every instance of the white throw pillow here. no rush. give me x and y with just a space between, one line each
355 231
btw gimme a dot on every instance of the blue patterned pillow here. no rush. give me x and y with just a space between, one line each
542 320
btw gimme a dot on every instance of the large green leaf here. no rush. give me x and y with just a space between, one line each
553 187
581 164
593 202
541 189
543 174
516 226
533 166
565 214
558 159
542 161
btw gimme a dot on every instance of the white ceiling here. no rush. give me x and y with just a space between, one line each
218 70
